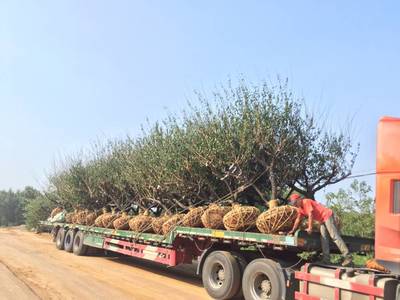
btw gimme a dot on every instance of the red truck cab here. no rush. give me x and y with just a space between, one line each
324 282
387 221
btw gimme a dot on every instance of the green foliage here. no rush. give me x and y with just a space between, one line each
246 143
355 208
326 158
37 210
12 205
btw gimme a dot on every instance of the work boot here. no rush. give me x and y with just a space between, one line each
348 261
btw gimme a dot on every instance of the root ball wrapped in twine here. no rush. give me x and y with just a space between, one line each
158 222
141 223
171 223
193 217
241 218
68 217
277 219
213 216
122 223
108 219
91 218
78 216
73 217
81 217
98 222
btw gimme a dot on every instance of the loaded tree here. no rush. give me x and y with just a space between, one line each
243 143
326 158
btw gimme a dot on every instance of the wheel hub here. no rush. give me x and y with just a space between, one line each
266 286
221 274
262 288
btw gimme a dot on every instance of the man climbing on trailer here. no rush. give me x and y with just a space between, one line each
314 211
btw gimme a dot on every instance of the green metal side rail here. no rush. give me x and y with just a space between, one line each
250 237
301 241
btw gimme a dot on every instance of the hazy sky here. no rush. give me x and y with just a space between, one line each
75 71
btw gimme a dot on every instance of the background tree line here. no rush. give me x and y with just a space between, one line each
27 206
355 207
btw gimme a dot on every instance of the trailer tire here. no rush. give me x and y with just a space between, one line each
261 281
221 275
60 237
78 247
69 240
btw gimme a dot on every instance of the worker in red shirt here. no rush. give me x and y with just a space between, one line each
315 211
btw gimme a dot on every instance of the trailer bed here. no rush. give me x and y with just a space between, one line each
301 241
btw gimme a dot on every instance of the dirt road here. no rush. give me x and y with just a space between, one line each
32 268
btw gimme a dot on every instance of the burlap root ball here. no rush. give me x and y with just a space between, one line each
213 216
122 223
277 219
91 218
56 211
241 218
158 222
99 221
75 216
141 223
108 220
193 217
172 222
80 217
68 217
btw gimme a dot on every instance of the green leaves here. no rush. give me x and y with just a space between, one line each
247 143
355 208
13 203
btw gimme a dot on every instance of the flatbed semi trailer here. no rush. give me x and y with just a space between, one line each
266 266
222 255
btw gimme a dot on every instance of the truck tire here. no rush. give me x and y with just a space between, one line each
79 248
221 275
69 240
60 239
261 281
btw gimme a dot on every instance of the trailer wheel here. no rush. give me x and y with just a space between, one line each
69 240
221 275
53 233
261 281
60 239
79 248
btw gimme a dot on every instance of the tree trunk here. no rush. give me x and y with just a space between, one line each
262 195
274 188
